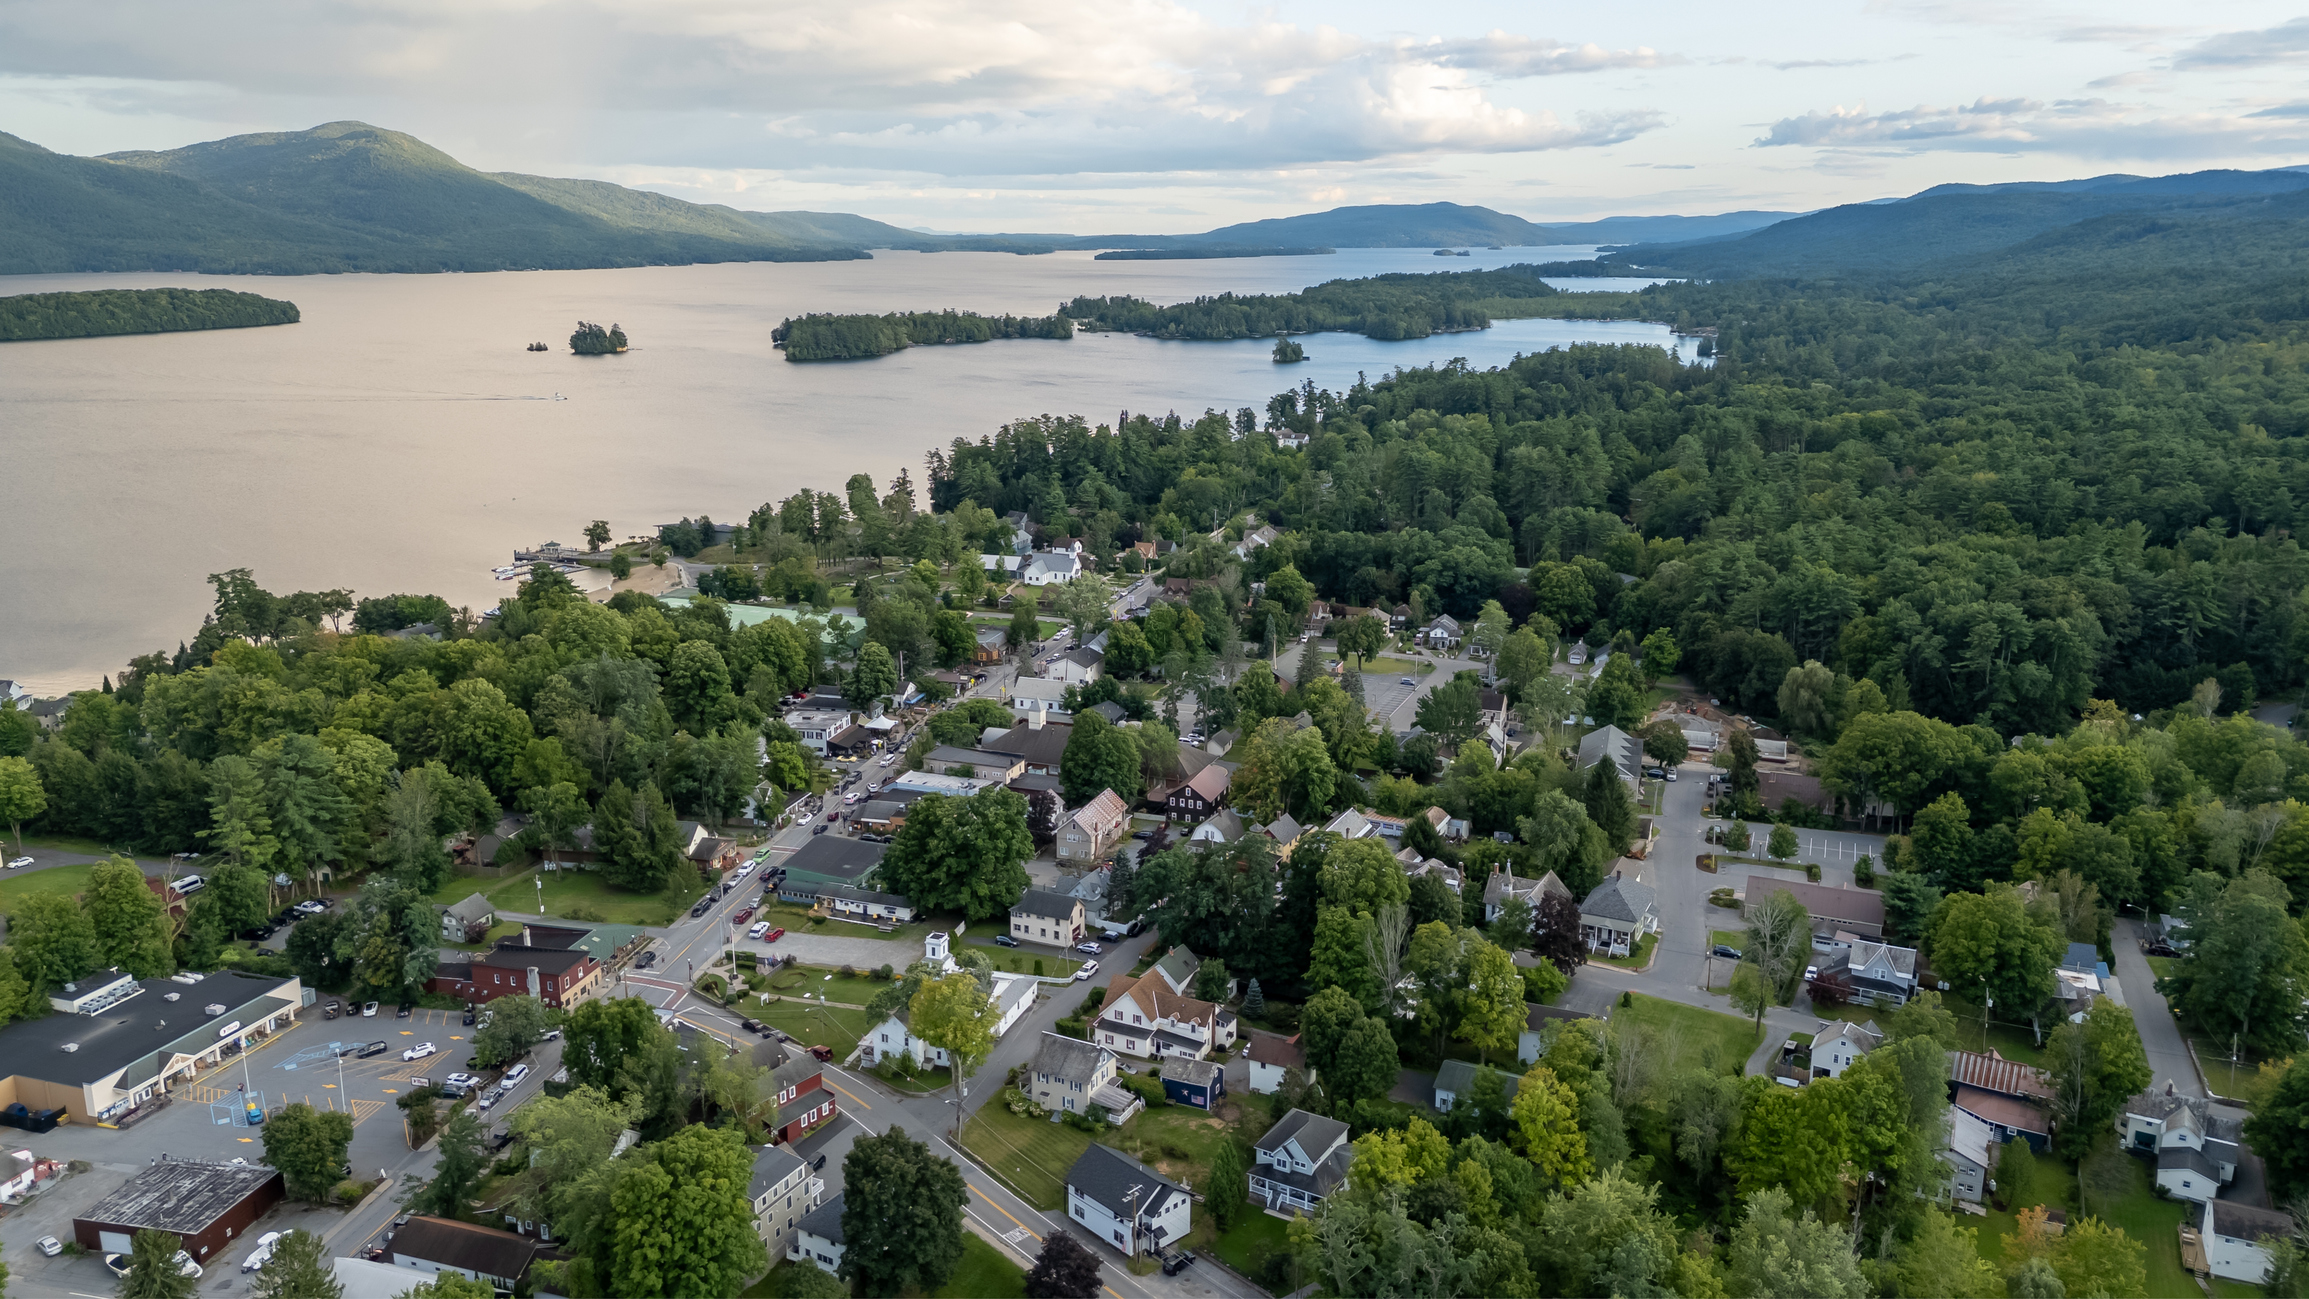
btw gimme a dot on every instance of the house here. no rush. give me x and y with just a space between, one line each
20 1171
1970 1152
1077 667
1070 1076
1993 1073
818 1237
2234 1234
1124 1203
1200 1083
1578 654
1617 915
548 962
1456 1078
1834 908
1436 866
783 1193
1880 974
993 644
1041 916
1443 633
1776 789
1153 1017
1086 833
1840 1046
1037 700
1038 740
796 1083
1004 568
1351 824
1533 1039
468 921
1012 997
2196 1150
1300 1162
1283 831
204 1205
1503 887
817 727
982 764
1224 827
1258 538
436 1245
1050 568
1200 795
1272 1057
2012 1117
1624 751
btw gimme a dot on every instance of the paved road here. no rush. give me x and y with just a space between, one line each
2169 1060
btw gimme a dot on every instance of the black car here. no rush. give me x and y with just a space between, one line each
370 1049
403 1012
468 1019
1173 1264
1729 953
646 960
751 1025
259 933
1005 940
818 1163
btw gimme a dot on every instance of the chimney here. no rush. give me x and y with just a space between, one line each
1034 718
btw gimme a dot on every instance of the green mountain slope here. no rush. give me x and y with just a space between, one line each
1385 225
348 197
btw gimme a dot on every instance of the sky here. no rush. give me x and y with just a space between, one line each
1160 116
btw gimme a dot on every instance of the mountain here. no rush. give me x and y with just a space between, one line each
1954 227
1383 225
1661 229
347 196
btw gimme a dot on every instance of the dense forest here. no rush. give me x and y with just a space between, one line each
2010 556
136 311
842 338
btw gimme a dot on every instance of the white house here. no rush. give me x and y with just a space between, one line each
2196 1149
1013 996
1077 667
1124 1203
1617 915
1970 1154
816 726
1002 566
2233 1234
1224 827
1504 886
1443 633
1840 1046
1272 1057
1301 1161
1153 1017
1069 1076
783 1193
1086 833
818 1237
1049 567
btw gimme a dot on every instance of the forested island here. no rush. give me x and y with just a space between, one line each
1199 253
1381 306
99 312
592 340
844 338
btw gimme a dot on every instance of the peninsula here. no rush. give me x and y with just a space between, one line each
30 316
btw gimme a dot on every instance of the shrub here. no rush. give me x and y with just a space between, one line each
348 1192
848 971
1627 999
585 911
1037 967
1723 898
1812 871
1864 872
885 974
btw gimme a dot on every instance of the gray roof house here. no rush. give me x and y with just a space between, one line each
1456 1078
1069 1075
467 921
1617 915
1301 1161
1625 751
818 1236
1124 1203
1502 886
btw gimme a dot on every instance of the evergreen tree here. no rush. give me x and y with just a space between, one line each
1608 805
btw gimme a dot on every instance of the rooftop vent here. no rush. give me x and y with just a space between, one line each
72 987
213 1008
71 1046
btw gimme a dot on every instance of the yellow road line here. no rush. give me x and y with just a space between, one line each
1006 1213
846 1092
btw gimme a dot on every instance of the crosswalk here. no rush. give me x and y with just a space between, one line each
206 1094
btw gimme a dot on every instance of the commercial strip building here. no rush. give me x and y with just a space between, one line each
117 1042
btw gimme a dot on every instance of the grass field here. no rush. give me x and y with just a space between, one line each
1256 1237
819 1026
816 979
984 1273
1021 960
2145 1218
2162 966
1634 960
1032 1155
56 879
1388 665
1688 1035
516 896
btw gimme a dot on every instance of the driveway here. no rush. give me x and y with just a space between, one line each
2169 1060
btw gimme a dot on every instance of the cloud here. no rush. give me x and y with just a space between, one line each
2085 128
2285 43
950 86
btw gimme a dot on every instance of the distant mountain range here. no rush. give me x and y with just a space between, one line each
347 196
2171 220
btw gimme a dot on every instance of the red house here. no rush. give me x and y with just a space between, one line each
542 962
805 1102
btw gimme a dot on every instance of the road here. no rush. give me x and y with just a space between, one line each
2169 1061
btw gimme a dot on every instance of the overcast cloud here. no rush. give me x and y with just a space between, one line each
1164 115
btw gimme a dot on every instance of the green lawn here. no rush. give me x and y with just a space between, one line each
1635 960
516 896
1727 937
56 879
1387 665
2012 1041
813 980
1256 1237
1179 1141
1022 960
2144 1217
1032 1155
984 1273
2162 966
1688 1035
819 1026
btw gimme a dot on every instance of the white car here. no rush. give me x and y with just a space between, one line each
369 1011
513 1077
262 1254
49 1245
1088 969
191 884
760 927
19 863
419 1051
186 1267
744 871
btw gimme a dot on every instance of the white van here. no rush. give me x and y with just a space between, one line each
191 884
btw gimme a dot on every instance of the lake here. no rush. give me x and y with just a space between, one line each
400 439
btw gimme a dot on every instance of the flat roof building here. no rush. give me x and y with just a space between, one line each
134 1039
207 1206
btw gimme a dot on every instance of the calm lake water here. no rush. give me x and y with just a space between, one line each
400 439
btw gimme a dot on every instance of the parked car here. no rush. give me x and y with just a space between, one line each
262 1254
1005 940
468 1020
420 1051
369 1011
750 1025
744 914
1726 951
1405 681
1089 949
117 1264
1088 969
817 829
50 1246
191 884
513 1077
760 928
1142 834
774 935
332 1010
1173 1264
19 863
822 1054
818 1163
403 1012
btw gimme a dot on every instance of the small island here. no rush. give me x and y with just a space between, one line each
849 338
1287 351
102 312
592 340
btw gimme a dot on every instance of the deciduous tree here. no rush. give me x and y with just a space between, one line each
901 1216
1065 1270
961 854
308 1146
